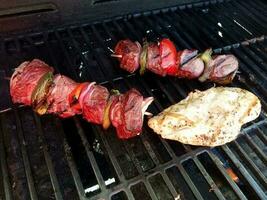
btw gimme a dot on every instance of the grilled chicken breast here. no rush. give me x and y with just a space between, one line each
207 118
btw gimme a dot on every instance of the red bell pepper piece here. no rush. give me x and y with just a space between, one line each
168 55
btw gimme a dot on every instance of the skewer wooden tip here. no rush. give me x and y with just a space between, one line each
7 78
148 114
116 56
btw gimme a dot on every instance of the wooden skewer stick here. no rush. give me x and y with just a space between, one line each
7 78
116 56
148 114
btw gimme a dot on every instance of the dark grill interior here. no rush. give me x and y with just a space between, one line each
49 158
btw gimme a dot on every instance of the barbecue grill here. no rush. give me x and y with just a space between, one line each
50 158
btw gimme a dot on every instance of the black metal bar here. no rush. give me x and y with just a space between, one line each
169 96
190 183
145 141
254 8
182 41
250 163
262 136
166 145
48 160
208 178
6 181
71 163
245 173
258 49
230 181
254 146
206 30
228 38
150 190
90 155
137 35
48 47
250 25
169 184
25 157
191 31
112 157
78 49
252 58
70 68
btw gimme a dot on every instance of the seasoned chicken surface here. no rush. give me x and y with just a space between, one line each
207 118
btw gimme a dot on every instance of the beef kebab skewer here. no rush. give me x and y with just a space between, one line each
163 59
34 84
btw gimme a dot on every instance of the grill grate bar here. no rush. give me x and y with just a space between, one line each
78 49
245 173
130 152
233 185
190 182
87 41
251 8
259 65
70 69
191 34
48 160
25 157
171 99
250 28
257 6
90 155
258 49
169 184
150 190
136 35
227 37
208 179
111 156
158 105
251 164
254 71
141 177
74 171
6 182
145 140
242 32
48 48
255 147
262 135
72 166
101 64
68 153
204 31
175 34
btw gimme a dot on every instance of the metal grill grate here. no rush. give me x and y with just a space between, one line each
71 159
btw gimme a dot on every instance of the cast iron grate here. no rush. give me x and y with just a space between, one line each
71 159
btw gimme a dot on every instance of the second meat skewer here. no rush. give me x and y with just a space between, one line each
163 59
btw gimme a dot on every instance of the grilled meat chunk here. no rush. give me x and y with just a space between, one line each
220 69
129 55
30 82
58 98
94 104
